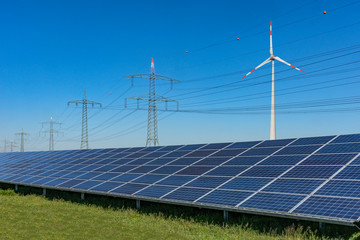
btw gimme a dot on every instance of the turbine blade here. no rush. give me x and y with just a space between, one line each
280 60
271 45
262 64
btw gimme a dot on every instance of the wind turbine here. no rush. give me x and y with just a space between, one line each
272 59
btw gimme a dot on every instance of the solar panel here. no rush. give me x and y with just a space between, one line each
316 178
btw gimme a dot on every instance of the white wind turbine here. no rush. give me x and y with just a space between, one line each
272 58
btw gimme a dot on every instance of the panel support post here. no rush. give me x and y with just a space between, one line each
16 188
44 192
138 204
322 226
82 196
226 216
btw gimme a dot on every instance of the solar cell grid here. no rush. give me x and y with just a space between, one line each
226 171
272 201
328 159
265 171
154 191
349 172
340 188
312 140
347 138
276 143
291 150
186 194
207 182
321 172
331 207
299 186
224 197
246 183
260 151
283 160
341 148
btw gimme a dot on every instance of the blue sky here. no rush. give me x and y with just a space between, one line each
51 50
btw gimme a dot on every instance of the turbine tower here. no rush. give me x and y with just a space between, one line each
272 59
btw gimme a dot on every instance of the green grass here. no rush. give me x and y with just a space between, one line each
31 216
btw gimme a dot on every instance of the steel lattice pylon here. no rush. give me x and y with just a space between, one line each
51 132
152 138
84 127
22 140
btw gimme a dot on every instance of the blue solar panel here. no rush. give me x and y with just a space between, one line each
129 188
244 161
246 183
265 171
226 171
106 186
340 188
155 191
149 178
160 161
126 177
225 197
207 182
312 140
341 148
331 207
212 161
192 170
201 153
272 201
186 194
260 151
349 172
300 186
275 143
283 160
228 152
184 161
312 172
298 150
328 159
168 169
347 138
87 185
176 180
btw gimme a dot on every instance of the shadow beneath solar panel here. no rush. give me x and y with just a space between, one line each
261 224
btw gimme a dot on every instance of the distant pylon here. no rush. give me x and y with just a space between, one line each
84 128
51 132
6 142
22 140
152 138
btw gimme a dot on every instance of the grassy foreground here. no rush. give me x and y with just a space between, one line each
35 217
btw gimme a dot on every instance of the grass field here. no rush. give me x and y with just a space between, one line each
32 216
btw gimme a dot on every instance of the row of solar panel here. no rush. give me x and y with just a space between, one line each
217 155
269 199
286 185
349 172
316 159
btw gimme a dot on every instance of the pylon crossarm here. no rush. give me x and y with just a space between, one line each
154 76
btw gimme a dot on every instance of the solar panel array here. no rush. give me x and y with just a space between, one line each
315 178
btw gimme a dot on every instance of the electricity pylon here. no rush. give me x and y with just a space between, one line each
6 144
51 132
152 98
12 145
84 128
22 140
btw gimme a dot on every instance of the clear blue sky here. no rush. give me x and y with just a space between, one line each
51 50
